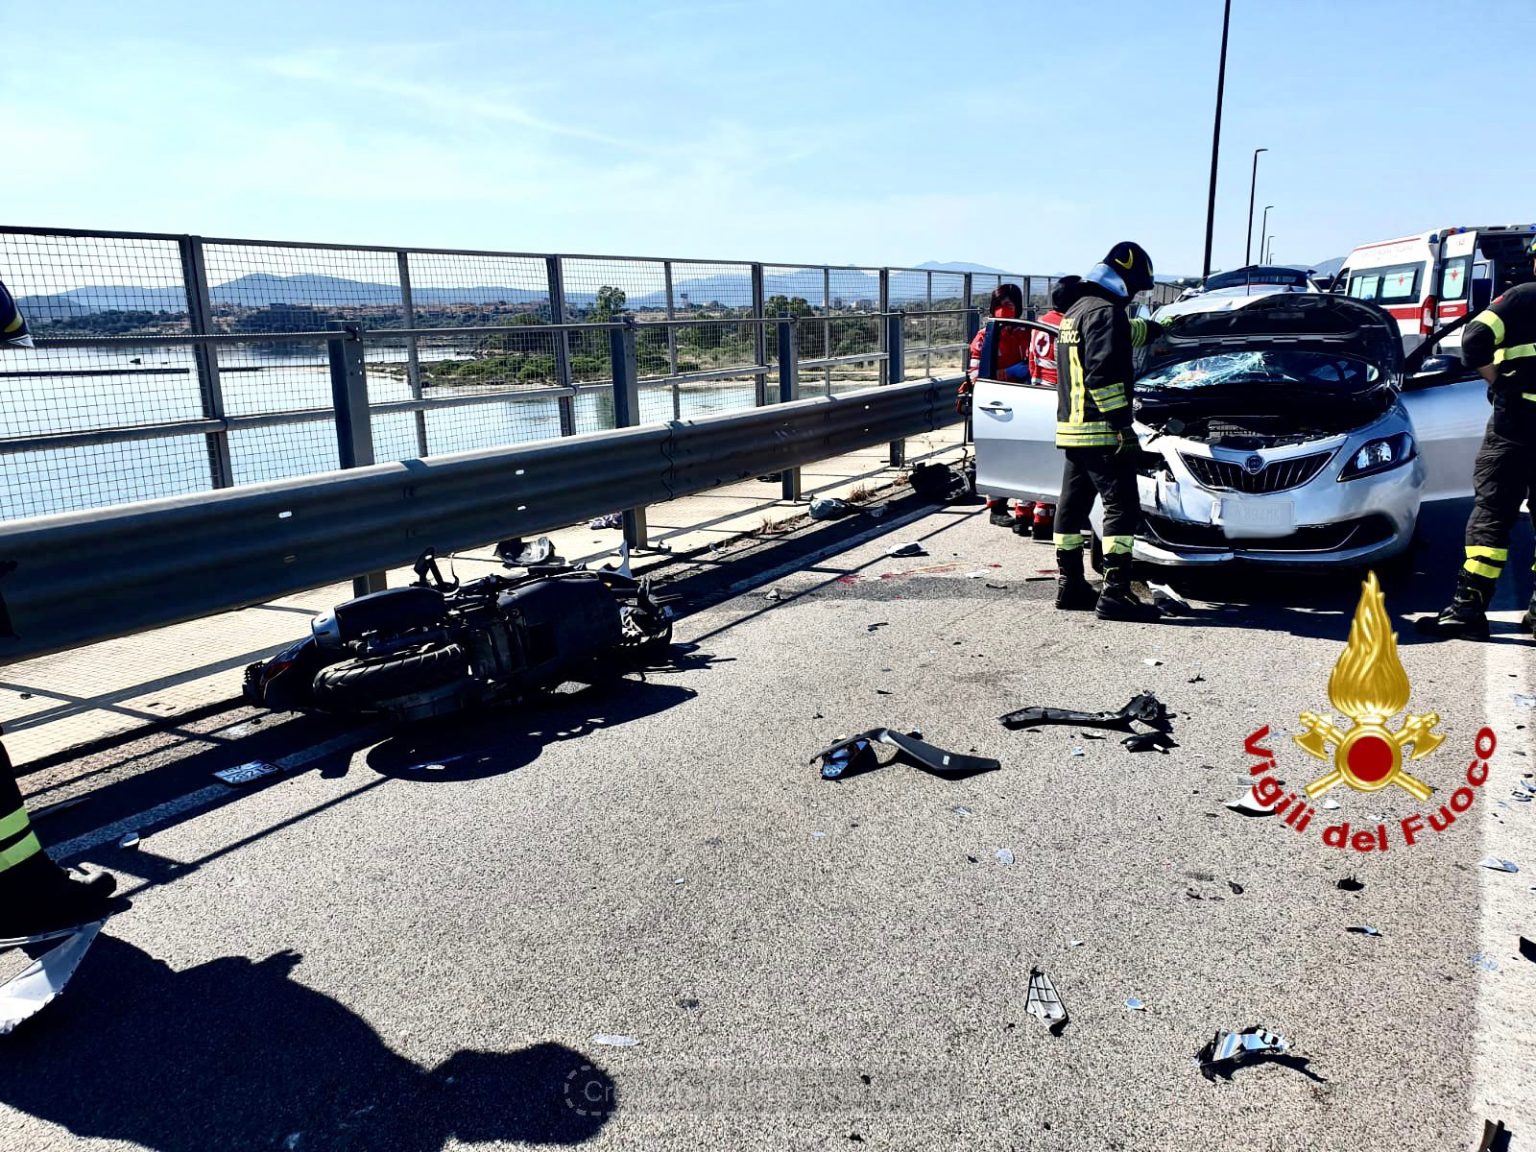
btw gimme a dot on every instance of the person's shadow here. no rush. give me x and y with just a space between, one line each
236 1054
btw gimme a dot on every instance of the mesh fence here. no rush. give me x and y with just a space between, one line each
261 288
459 390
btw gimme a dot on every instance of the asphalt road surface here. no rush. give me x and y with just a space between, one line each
416 940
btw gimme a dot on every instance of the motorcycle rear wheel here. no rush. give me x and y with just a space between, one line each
370 680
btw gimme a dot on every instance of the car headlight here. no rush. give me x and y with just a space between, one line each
1378 456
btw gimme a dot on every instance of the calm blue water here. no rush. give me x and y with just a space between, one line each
163 387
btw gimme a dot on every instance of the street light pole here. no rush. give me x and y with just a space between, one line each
1271 253
1253 185
1221 86
1264 231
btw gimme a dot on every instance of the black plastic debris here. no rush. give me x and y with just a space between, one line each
939 483
1495 1137
1528 949
1150 742
1350 884
1144 709
878 624
1237 889
856 754
1227 1050
1363 930
247 773
830 508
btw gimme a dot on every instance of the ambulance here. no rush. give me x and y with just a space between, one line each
1434 278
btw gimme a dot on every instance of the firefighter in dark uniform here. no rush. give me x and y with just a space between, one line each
1093 425
36 895
1500 342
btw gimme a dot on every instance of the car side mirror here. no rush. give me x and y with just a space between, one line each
1434 371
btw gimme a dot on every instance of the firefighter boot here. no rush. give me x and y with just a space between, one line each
1466 616
1528 621
37 896
1073 592
1117 601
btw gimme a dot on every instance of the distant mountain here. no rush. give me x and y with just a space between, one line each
1326 268
102 298
961 266
262 288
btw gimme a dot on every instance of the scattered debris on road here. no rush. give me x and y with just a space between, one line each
1350 884
830 508
1004 856
1150 742
910 548
876 626
1135 1005
1363 930
1497 865
1226 1050
1043 1003
247 773
1485 962
1528 949
614 1040
611 520
1168 600
1237 889
1522 700
40 982
773 594
1249 804
130 840
1152 662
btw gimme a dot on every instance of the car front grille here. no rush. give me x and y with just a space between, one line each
1276 476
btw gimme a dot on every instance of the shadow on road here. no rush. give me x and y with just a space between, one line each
491 743
238 1054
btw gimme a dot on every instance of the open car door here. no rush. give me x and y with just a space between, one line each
1448 404
1015 430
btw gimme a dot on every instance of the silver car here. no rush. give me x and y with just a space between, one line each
1278 428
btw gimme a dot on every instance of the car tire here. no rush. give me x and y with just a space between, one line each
366 682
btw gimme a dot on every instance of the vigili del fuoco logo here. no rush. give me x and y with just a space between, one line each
1369 687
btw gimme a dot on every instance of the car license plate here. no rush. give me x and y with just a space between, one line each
1256 518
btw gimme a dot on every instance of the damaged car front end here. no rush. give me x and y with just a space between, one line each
1280 429
1276 432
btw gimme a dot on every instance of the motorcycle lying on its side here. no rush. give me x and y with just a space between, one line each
437 647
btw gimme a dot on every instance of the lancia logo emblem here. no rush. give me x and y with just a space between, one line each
1253 465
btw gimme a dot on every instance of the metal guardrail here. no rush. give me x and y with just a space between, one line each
82 577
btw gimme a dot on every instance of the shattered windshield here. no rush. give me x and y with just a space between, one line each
1318 371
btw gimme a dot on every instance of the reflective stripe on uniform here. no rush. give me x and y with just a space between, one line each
1075 415
1068 541
1118 545
12 824
23 849
1484 552
1086 436
1492 321
1109 398
1138 333
15 324
1478 568
1519 351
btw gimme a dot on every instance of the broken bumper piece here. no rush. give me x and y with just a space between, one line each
1226 1050
857 754
39 984
1145 709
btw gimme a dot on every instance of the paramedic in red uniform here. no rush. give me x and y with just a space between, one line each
1007 303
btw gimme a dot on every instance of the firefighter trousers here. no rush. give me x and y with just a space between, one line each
17 840
1110 475
1503 477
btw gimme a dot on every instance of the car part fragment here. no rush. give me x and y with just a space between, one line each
1233 1048
36 986
1146 709
1044 1003
857 754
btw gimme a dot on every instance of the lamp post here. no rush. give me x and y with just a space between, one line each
1221 85
1264 231
1253 184
1271 252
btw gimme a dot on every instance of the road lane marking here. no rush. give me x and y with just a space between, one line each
162 814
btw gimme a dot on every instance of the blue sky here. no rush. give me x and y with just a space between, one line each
1027 136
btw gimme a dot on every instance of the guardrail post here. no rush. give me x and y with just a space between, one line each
566 404
626 409
885 307
206 357
972 326
896 372
789 390
760 341
412 352
354 429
